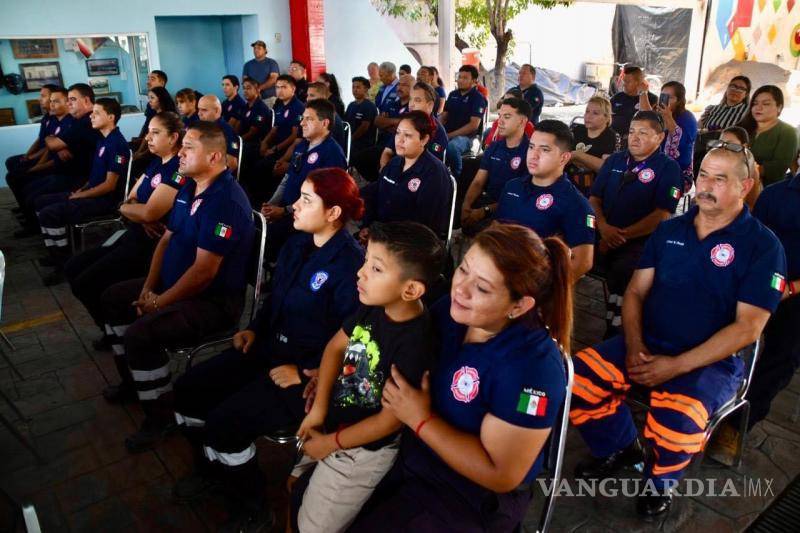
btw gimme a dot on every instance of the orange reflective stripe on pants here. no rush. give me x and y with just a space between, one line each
588 391
581 416
686 405
604 370
672 440
660 470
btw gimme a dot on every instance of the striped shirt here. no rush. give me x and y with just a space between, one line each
721 116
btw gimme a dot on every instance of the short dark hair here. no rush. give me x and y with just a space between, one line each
324 110
416 248
520 105
528 66
320 86
298 62
160 74
472 69
362 80
740 133
186 94
632 69
405 68
288 79
421 121
83 89
251 81
430 92
564 139
110 106
231 78
211 135
51 86
652 118
59 90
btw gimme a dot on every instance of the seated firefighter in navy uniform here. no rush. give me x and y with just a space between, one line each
195 286
704 288
145 211
100 194
256 387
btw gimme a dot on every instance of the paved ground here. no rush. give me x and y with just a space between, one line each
90 483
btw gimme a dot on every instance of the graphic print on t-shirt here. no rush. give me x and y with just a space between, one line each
360 382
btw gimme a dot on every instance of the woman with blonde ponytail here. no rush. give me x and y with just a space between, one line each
477 427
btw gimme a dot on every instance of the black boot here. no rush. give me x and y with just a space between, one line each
632 457
651 506
103 344
150 433
119 394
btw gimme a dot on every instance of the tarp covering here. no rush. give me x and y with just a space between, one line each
654 38
558 88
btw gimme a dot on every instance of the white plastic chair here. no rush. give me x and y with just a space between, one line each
453 198
349 134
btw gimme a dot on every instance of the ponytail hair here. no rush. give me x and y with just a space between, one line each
537 268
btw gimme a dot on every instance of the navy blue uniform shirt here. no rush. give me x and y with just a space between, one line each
461 108
534 96
698 283
387 97
44 124
149 113
191 119
218 220
559 209
623 107
304 160
159 173
234 108
778 207
55 125
436 145
517 376
111 155
420 194
231 139
632 190
357 113
257 116
81 140
313 291
440 96
503 164
287 116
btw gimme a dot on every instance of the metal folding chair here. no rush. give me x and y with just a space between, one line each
349 135
255 278
749 355
557 444
453 198
239 160
76 230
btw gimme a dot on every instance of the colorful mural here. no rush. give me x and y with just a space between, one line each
759 30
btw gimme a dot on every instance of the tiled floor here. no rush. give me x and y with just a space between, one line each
90 483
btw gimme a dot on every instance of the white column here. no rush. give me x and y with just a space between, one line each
447 39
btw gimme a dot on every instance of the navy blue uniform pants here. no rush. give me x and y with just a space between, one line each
91 272
617 267
56 211
422 494
678 415
224 404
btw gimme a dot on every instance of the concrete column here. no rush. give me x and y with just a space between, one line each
447 39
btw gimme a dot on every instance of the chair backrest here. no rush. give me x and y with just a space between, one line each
453 197
576 120
239 161
126 190
554 460
349 136
272 119
749 355
2 280
255 275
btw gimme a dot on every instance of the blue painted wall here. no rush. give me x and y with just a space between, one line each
73 70
259 19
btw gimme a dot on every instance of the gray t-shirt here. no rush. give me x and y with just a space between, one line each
260 71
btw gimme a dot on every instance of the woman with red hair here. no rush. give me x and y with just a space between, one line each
256 387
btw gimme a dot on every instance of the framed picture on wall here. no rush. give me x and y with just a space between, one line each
34 108
34 48
102 67
37 75
7 116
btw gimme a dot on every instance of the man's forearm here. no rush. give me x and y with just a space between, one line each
193 282
154 273
722 344
647 225
632 304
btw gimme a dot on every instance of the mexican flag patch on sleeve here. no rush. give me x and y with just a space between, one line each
223 230
675 193
120 159
590 221
177 178
778 282
532 404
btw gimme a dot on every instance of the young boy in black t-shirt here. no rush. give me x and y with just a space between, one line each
391 328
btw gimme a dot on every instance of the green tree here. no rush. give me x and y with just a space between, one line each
476 18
